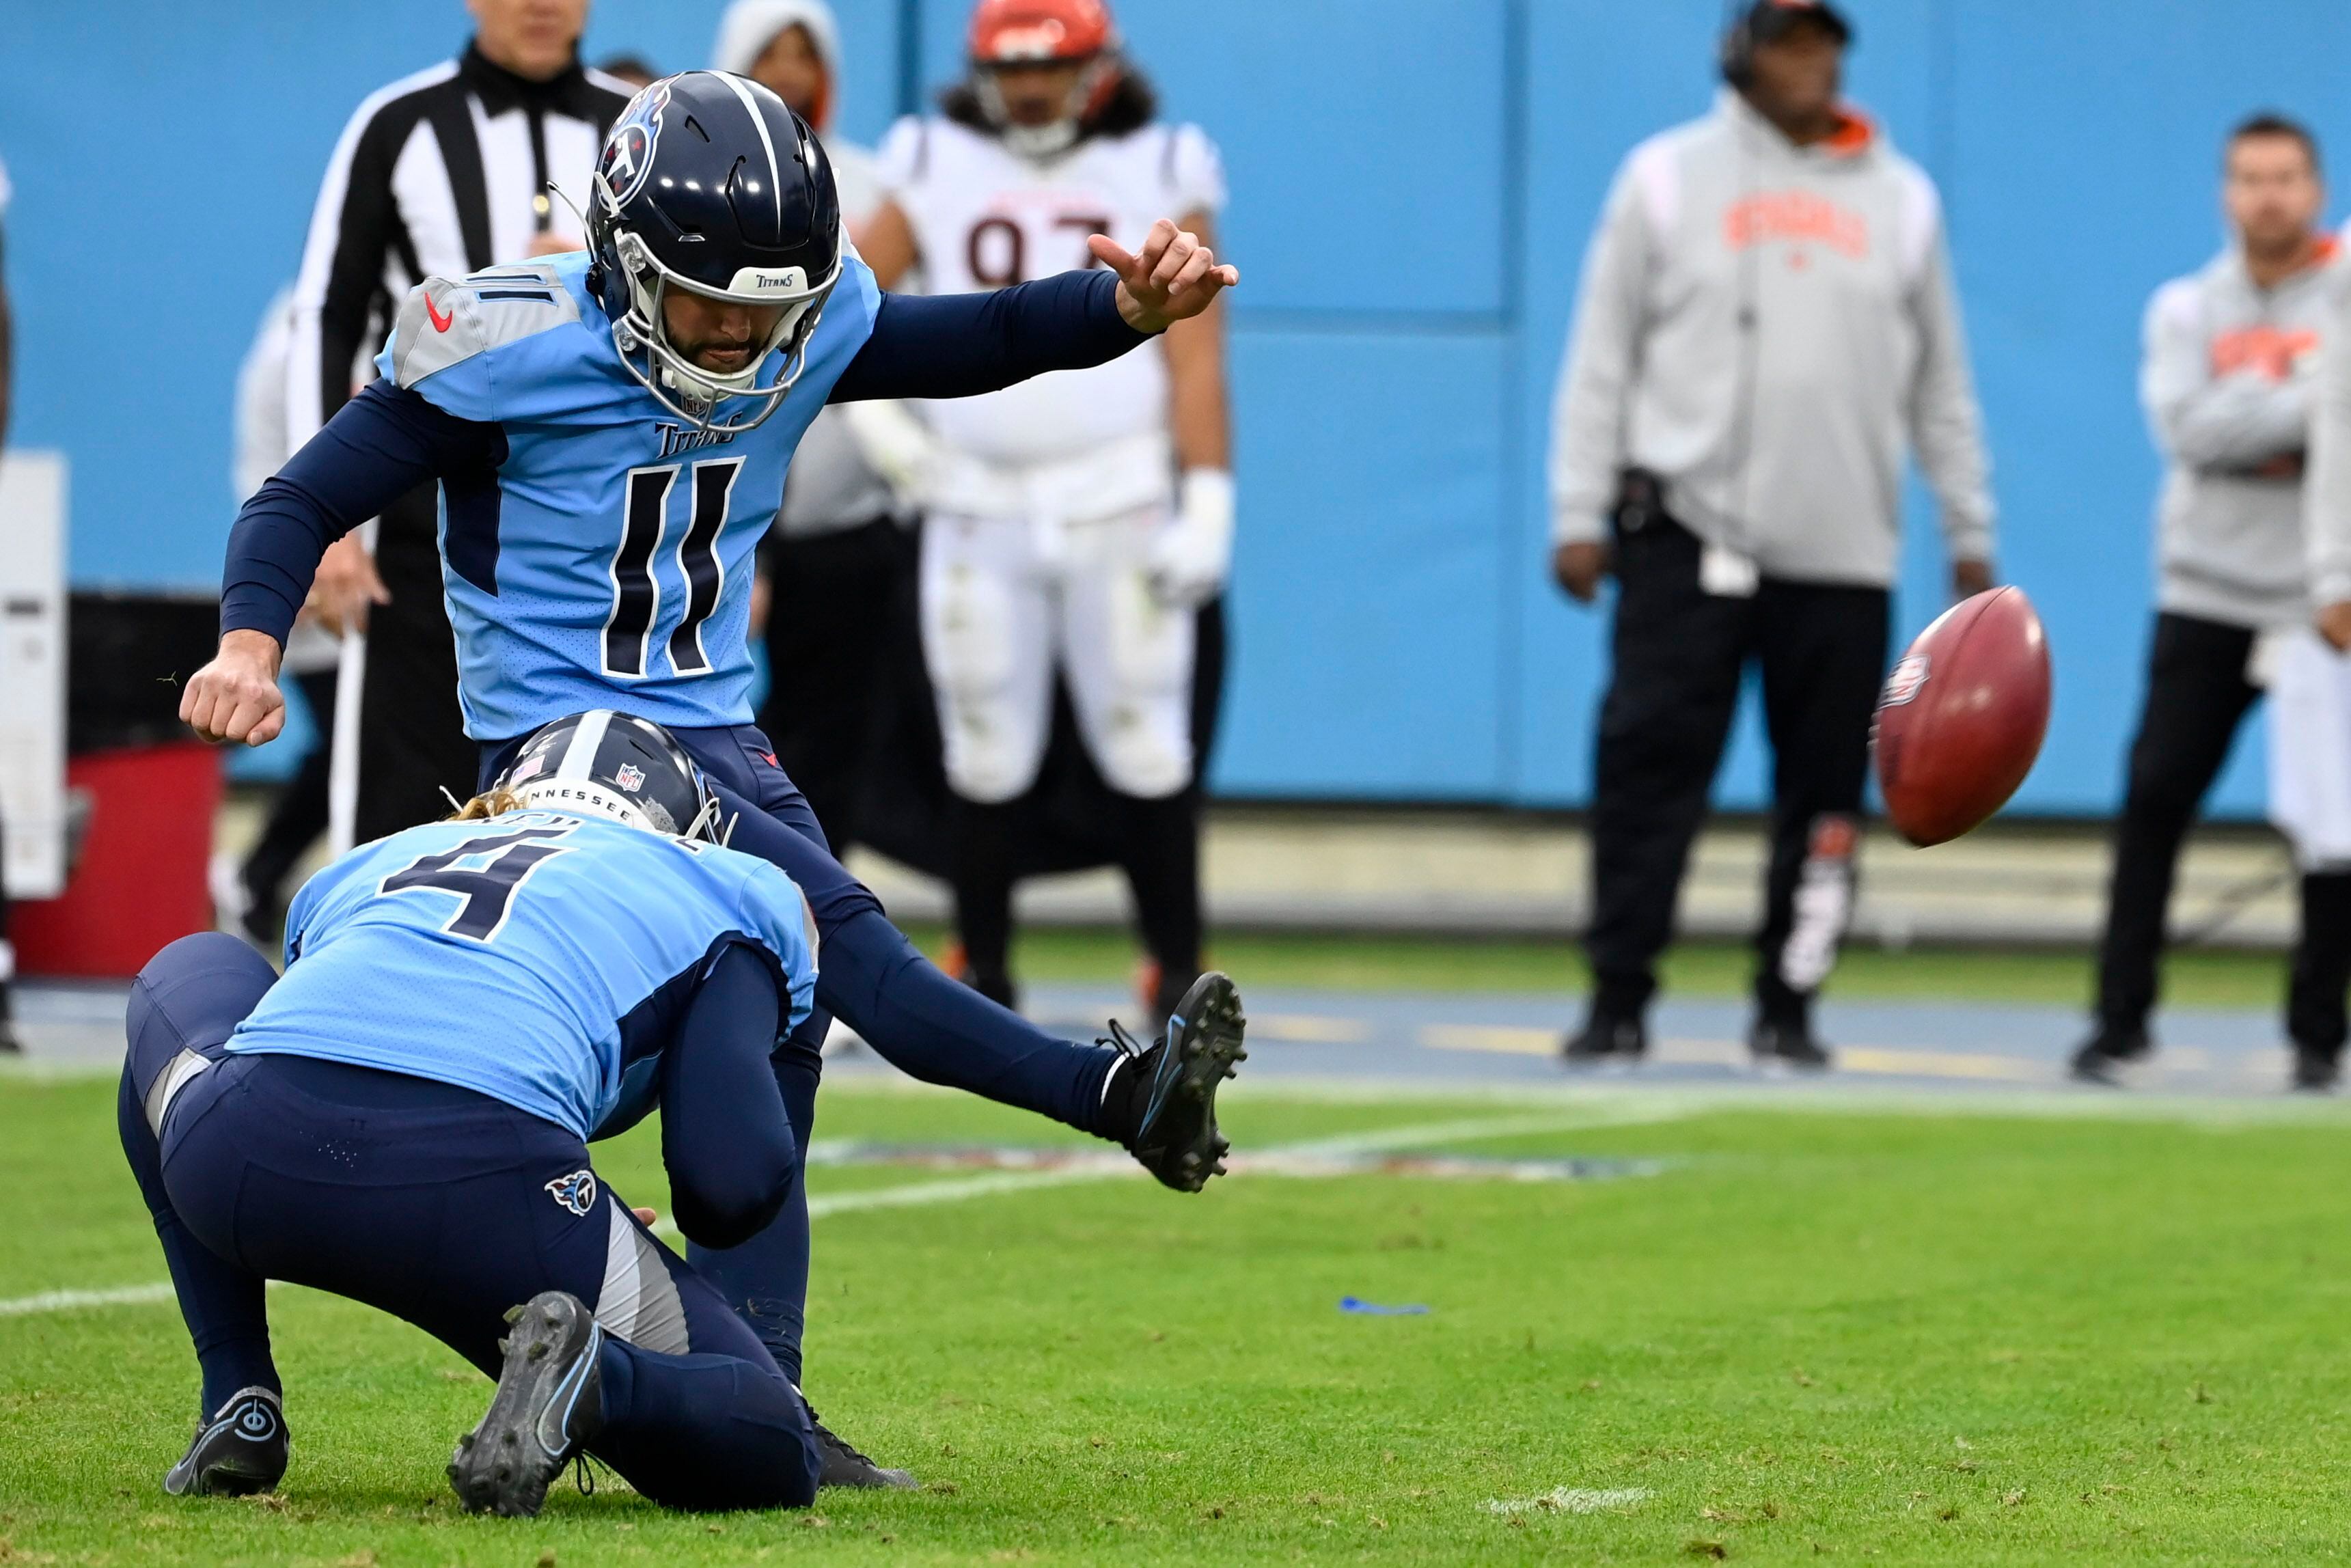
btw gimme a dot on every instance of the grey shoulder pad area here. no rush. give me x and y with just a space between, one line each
443 322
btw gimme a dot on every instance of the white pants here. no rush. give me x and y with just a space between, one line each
2310 750
1007 598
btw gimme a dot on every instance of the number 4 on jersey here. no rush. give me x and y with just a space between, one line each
486 889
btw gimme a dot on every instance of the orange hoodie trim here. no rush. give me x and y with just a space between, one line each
1854 132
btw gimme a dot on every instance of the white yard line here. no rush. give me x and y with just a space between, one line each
74 1301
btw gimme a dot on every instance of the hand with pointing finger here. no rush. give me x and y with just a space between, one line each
1171 279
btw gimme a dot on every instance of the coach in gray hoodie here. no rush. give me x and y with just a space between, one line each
2232 360
1766 322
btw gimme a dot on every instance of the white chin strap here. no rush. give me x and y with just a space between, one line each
1040 141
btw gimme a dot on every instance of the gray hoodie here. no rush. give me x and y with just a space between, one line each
1782 439
2227 384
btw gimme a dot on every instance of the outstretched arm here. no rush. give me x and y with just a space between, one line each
378 446
959 345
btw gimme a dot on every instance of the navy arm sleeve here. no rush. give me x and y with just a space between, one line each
377 447
960 345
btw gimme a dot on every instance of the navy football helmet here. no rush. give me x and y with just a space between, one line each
708 183
615 765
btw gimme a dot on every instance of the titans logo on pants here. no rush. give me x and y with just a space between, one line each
576 1192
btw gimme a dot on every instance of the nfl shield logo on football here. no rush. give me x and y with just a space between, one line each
630 777
1903 685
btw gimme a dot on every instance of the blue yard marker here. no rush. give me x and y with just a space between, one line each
1373 1309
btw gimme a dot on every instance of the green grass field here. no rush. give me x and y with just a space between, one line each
2200 977
1861 1331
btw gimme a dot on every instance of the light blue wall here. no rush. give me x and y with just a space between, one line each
1412 186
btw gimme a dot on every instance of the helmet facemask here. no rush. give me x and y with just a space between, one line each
1055 137
688 390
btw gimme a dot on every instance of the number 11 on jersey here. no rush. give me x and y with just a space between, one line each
636 589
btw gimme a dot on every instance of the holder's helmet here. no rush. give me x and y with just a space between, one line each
709 186
616 766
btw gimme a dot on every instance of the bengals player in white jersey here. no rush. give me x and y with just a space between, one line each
1078 521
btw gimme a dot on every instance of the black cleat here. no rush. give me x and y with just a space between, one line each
1788 1045
2315 1072
1173 1086
548 1403
239 1450
2103 1055
845 1467
1603 1041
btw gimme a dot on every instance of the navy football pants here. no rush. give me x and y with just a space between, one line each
925 1024
445 1207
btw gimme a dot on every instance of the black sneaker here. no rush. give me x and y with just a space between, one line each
1168 1118
845 1467
548 1403
1603 1041
240 1450
2316 1071
2103 1055
1788 1045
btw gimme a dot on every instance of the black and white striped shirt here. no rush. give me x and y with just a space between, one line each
441 174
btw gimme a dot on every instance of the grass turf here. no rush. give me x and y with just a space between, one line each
2204 977
1944 1337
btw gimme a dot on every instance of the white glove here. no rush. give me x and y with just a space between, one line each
898 446
1194 553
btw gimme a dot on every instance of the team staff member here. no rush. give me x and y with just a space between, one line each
1767 311
2231 355
836 556
443 173
1077 523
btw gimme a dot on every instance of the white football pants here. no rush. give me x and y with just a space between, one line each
1004 601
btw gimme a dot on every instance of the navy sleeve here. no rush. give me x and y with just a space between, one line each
377 447
960 345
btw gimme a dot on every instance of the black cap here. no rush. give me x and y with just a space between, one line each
1768 20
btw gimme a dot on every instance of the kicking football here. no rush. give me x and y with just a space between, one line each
1963 716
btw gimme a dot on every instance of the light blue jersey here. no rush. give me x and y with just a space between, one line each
535 958
606 560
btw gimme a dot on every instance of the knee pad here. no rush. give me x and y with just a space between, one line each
182 1008
992 747
1141 736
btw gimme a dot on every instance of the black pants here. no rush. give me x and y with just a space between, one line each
1156 845
412 740
299 813
1678 656
2197 697
827 639
445 1207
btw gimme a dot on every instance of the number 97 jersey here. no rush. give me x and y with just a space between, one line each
985 217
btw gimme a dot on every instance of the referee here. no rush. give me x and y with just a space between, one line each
1766 314
442 173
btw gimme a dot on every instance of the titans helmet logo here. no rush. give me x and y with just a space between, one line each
628 161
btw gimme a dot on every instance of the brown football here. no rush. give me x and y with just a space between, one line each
1961 718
